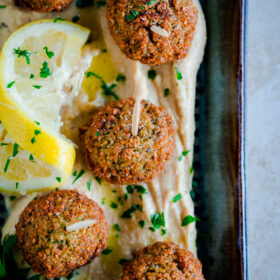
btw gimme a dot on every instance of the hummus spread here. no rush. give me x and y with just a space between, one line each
82 97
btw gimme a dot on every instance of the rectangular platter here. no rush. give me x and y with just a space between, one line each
219 183
220 140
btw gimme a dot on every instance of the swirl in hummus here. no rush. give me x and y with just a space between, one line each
170 85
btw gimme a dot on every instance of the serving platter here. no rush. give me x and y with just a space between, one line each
219 184
220 143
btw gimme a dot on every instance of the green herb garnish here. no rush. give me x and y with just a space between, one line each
50 54
97 133
188 220
98 180
37 123
152 74
7 165
12 197
132 15
84 3
31 76
178 74
121 78
150 2
117 227
45 70
100 4
23 53
191 169
127 214
88 185
158 220
75 18
163 232
58 19
123 261
33 140
58 179
15 150
37 86
3 6
141 223
152 229
166 92
113 205
37 132
10 84
17 183
79 175
107 90
177 198
130 188
106 251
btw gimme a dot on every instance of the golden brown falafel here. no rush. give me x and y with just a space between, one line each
44 5
118 157
44 237
152 31
163 261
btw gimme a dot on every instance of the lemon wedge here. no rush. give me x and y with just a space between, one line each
35 62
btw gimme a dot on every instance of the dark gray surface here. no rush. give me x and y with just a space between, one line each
220 136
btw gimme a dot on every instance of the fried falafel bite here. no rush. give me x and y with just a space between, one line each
115 155
163 261
60 232
152 31
44 5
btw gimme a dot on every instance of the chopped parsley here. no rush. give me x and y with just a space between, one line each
178 74
188 220
17 184
117 227
166 92
3 144
37 86
33 140
104 50
50 54
12 197
107 90
97 133
100 4
75 18
127 214
191 169
132 15
84 3
58 179
152 229
129 189
98 180
113 205
184 153
7 165
158 220
88 185
37 122
58 19
15 150
10 84
120 200
103 200
123 261
150 2
37 132
141 223
3 6
140 189
31 76
79 175
177 198
107 251
163 232
152 74
45 70
23 53
121 78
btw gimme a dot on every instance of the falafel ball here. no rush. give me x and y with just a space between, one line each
152 31
163 261
115 155
46 241
44 5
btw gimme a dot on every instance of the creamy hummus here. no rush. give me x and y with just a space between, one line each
82 100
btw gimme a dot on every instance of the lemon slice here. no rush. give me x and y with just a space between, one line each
36 61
